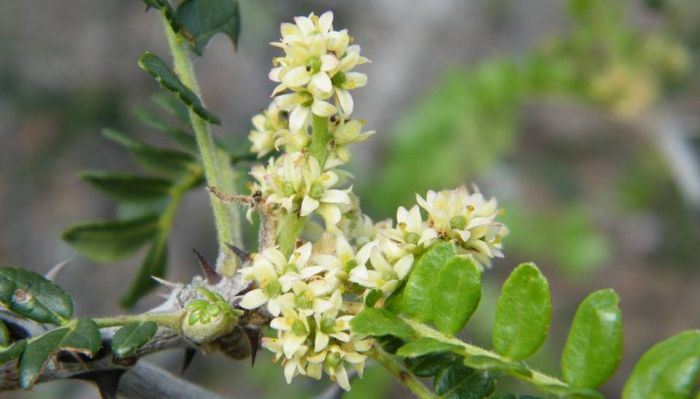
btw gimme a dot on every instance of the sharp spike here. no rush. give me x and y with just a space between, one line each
254 336
212 276
242 255
53 273
165 283
107 381
189 355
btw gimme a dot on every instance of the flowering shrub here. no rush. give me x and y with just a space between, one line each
327 289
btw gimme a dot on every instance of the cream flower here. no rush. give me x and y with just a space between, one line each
292 366
275 276
347 132
330 325
466 218
334 360
344 259
309 297
268 125
382 274
301 105
293 331
411 234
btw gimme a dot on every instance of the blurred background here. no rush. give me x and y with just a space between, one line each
582 117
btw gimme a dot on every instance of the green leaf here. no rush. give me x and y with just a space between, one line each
126 187
594 347
154 264
456 294
31 295
380 322
151 119
112 240
162 73
666 371
80 336
423 346
12 352
523 313
514 396
430 364
460 382
202 19
158 159
416 299
167 10
373 296
569 392
132 336
4 336
493 364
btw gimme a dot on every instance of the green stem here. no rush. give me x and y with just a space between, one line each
169 320
217 169
406 378
536 378
291 224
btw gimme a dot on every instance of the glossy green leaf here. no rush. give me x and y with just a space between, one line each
379 322
164 160
202 19
423 346
162 73
429 365
4 336
164 7
373 296
12 352
112 240
460 382
493 364
80 336
154 264
563 391
456 294
31 295
126 187
666 371
419 286
523 313
132 336
594 347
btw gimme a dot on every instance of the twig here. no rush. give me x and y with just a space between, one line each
147 381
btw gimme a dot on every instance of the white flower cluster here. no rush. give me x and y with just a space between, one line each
313 293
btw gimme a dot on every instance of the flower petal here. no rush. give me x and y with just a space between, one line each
253 299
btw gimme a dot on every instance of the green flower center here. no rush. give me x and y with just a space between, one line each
288 189
299 329
458 223
338 79
411 237
313 65
328 324
316 190
273 288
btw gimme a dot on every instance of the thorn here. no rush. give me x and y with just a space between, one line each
53 273
189 355
107 381
254 336
212 276
165 283
242 255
